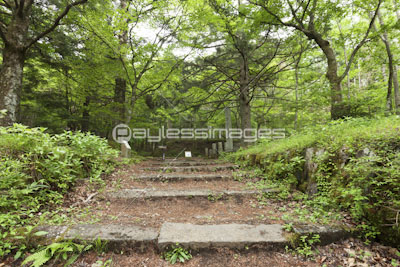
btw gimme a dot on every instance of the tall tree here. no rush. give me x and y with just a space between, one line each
18 35
313 18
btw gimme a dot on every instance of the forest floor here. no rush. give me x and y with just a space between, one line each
91 205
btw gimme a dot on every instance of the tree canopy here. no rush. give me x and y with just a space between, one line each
86 65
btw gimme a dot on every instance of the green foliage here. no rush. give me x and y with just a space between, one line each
67 251
107 263
177 254
356 169
38 168
304 245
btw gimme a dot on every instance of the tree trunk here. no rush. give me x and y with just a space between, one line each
337 109
396 90
119 98
244 95
296 74
11 72
385 40
85 116
11 83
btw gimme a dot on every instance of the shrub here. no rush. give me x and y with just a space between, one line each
37 168
368 187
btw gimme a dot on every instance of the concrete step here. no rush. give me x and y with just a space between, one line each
192 193
236 236
184 163
206 168
191 236
183 177
116 236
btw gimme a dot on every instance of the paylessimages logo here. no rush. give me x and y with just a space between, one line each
123 133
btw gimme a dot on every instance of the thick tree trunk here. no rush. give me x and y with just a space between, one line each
11 83
11 72
337 109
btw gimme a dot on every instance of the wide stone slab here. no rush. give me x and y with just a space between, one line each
223 235
183 177
184 163
212 168
116 236
188 193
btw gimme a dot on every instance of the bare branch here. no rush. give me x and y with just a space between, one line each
361 43
293 11
56 22
305 10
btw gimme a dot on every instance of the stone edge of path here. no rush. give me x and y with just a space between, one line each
191 168
191 236
182 177
157 194
116 236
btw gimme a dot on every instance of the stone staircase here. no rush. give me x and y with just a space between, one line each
194 202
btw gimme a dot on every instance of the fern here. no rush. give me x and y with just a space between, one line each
55 250
39 258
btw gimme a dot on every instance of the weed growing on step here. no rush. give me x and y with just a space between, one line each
177 254
100 263
100 246
304 245
288 227
216 197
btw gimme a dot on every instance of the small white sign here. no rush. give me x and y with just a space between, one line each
188 154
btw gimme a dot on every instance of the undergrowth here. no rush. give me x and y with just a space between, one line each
36 170
354 167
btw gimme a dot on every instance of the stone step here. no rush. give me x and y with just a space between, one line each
184 163
192 193
191 236
116 236
237 236
191 168
183 177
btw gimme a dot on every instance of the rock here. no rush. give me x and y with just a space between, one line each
366 152
310 167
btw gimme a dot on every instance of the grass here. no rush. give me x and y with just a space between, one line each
367 186
337 133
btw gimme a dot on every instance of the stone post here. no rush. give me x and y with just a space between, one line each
206 152
125 149
214 149
220 147
228 126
